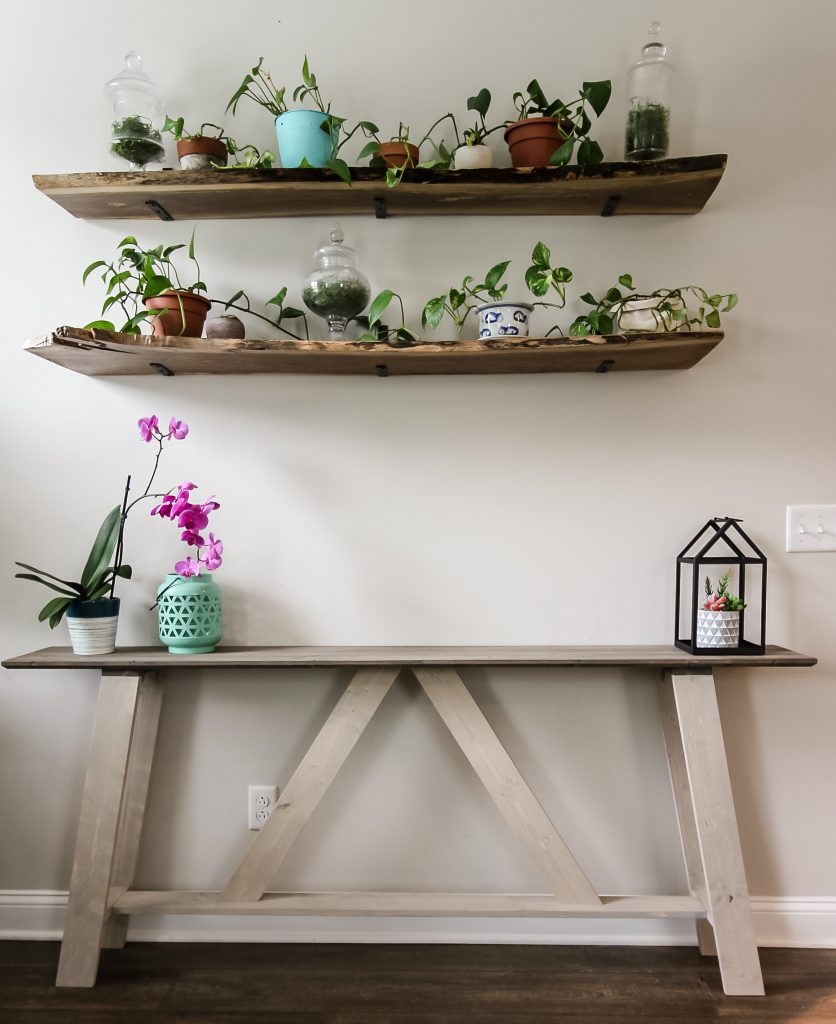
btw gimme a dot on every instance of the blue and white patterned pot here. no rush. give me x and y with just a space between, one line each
504 319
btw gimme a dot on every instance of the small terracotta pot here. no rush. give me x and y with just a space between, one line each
533 141
399 154
188 323
201 152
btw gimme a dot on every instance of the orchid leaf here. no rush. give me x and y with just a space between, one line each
54 611
102 550
37 579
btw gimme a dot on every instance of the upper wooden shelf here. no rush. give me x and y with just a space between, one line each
99 353
664 186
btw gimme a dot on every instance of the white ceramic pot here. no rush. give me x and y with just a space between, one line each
640 315
718 629
93 624
504 319
469 157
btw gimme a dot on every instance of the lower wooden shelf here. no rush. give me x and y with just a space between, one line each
99 353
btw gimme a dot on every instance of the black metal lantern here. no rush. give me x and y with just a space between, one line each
721 542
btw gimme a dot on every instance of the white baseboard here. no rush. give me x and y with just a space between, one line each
804 922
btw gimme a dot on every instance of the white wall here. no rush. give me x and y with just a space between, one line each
451 510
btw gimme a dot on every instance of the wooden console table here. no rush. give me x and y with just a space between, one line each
124 733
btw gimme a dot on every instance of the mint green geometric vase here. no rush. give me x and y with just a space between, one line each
191 620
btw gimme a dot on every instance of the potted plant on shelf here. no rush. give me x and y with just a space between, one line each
376 330
546 132
398 152
199 150
306 138
474 153
147 287
621 308
718 621
400 155
499 317
149 277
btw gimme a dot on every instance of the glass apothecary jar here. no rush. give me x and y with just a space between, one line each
335 289
649 87
136 115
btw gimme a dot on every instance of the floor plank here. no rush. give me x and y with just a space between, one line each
218 983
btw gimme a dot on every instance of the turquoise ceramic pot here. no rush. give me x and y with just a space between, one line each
191 621
301 137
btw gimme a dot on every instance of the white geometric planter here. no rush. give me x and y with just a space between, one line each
718 629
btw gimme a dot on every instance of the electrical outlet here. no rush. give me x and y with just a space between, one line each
261 802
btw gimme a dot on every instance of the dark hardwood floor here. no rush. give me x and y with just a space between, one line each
209 983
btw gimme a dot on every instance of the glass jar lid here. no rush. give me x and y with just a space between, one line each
335 254
132 89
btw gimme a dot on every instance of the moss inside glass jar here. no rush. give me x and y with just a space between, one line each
335 289
137 141
648 132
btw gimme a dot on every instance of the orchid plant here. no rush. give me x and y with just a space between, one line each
721 600
177 506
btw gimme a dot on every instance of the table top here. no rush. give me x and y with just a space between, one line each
125 658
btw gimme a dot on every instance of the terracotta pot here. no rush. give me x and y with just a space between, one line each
172 321
201 152
399 154
531 142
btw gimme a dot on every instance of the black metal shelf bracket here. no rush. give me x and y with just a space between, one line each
160 211
609 207
380 211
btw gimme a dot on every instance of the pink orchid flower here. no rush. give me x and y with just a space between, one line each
164 507
177 429
187 567
193 518
192 538
211 555
148 427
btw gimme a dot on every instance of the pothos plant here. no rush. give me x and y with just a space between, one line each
540 278
176 126
259 87
248 156
670 307
480 104
442 154
137 273
721 600
573 120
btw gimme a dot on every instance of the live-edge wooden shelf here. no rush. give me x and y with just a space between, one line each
98 353
655 187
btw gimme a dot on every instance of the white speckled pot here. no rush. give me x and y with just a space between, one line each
718 629
504 319
639 315
93 624
469 157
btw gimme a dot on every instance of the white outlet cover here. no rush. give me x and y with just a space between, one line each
261 802
811 528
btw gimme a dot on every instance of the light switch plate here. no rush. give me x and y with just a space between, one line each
811 527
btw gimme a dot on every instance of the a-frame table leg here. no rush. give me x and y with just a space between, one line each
715 825
114 729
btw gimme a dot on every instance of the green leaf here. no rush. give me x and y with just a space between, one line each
278 298
102 550
89 270
125 572
715 300
613 295
537 95
494 275
626 281
713 319
341 169
291 313
598 94
307 77
537 281
480 102
580 328
191 245
155 285
606 325
54 609
175 126
42 572
169 249
541 256
730 303
433 312
562 275
243 87
235 298
99 325
368 149
563 154
127 240
380 303
37 579
589 299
